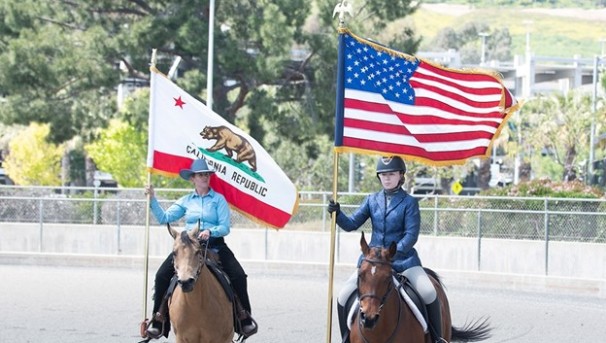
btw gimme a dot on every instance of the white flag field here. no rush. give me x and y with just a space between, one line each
182 129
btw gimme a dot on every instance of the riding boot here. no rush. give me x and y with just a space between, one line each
159 325
342 314
434 314
247 326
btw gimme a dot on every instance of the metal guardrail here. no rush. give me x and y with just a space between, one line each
562 219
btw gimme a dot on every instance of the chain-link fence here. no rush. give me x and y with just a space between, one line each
560 219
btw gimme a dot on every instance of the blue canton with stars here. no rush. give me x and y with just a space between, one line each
377 71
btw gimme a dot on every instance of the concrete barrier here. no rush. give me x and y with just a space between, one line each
568 266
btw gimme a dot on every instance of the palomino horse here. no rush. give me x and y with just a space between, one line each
199 309
384 317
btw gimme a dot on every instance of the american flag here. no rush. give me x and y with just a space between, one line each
391 103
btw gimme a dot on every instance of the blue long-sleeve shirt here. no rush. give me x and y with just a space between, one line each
211 209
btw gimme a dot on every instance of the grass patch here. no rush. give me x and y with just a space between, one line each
550 35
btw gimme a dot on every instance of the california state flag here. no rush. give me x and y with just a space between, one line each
182 129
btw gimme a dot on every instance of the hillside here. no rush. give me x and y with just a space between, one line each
561 32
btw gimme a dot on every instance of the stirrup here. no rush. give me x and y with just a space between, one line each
253 330
146 325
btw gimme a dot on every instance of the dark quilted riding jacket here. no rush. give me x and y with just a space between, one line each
399 222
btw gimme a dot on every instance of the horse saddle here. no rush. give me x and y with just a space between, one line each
407 293
222 278
413 299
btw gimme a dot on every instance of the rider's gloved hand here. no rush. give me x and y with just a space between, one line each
334 207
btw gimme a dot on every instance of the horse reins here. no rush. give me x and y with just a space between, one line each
390 288
202 260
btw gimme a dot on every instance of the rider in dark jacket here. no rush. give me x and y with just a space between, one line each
395 217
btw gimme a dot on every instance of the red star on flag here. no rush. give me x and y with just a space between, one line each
179 102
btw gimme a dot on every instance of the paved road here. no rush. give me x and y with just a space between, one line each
72 304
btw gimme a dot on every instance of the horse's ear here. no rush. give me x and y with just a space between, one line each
194 232
172 231
392 249
364 244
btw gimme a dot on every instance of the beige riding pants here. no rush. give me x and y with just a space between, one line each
416 275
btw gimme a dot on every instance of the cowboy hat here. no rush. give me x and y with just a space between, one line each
197 166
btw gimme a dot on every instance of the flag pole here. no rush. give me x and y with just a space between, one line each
344 7
333 230
211 49
147 203
146 258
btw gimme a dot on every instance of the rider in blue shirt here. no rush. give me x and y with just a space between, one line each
395 217
210 208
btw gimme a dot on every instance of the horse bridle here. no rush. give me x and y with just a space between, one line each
390 288
202 259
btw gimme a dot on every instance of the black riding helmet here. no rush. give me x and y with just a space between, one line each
391 164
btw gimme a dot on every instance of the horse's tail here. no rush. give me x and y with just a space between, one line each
478 330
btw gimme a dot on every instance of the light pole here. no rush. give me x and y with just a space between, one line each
594 98
483 56
528 24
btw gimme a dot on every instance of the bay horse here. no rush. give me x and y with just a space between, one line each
199 310
384 317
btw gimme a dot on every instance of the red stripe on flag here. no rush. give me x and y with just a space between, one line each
459 97
462 75
374 108
509 99
412 151
170 163
249 204
436 104
424 138
374 126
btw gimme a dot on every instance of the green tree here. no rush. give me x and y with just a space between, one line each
55 69
121 148
559 128
468 42
118 151
32 159
63 60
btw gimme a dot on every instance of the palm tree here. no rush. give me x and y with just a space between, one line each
559 127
